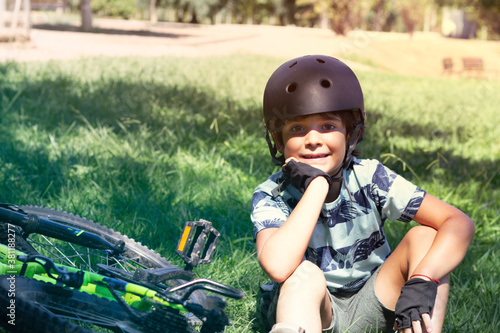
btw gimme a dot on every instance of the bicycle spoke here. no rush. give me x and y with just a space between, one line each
88 263
86 257
61 255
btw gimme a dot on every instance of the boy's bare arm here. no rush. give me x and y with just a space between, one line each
455 232
280 250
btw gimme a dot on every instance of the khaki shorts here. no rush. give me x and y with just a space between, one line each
353 312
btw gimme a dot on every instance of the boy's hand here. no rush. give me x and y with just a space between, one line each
301 174
417 299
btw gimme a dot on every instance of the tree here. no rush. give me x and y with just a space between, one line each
490 16
313 13
285 11
289 11
410 11
379 12
86 13
341 15
153 17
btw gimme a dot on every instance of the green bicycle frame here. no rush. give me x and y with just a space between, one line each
137 296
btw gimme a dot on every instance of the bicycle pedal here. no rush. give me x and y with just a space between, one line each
197 243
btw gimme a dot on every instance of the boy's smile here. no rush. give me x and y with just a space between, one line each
318 140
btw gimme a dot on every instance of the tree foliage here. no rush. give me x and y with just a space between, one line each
114 8
340 15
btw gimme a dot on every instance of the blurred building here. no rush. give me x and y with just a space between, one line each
455 24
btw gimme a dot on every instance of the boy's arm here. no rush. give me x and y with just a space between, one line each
280 250
455 232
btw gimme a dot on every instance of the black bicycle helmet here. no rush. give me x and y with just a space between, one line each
309 85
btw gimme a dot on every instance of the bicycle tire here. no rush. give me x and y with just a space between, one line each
141 254
135 253
27 316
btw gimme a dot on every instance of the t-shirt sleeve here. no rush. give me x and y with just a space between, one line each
266 211
398 199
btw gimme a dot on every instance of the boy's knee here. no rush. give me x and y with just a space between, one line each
423 230
287 328
421 234
417 243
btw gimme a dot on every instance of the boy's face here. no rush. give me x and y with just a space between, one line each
318 140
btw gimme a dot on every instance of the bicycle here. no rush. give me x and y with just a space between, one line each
63 272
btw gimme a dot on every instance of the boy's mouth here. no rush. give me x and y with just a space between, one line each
315 156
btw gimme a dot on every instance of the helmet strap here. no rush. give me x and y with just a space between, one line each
352 145
336 178
348 160
278 160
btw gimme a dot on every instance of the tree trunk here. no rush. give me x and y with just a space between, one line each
86 12
26 16
153 17
290 11
379 12
15 16
408 21
3 9
194 17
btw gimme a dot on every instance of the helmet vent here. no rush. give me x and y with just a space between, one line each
325 83
295 63
291 87
321 61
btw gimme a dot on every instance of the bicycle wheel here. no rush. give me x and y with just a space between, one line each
135 255
25 316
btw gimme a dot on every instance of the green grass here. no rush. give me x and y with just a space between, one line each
144 144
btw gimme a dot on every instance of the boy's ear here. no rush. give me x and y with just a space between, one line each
278 140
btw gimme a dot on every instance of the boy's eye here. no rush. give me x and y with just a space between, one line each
296 128
329 126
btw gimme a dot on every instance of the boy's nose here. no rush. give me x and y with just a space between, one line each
313 138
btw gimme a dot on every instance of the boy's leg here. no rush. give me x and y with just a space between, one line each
400 265
304 299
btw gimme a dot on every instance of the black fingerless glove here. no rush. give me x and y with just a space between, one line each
300 174
417 297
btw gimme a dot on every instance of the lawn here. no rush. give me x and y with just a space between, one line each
144 144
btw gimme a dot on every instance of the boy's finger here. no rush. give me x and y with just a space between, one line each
427 322
417 326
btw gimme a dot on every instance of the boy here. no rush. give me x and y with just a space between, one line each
318 223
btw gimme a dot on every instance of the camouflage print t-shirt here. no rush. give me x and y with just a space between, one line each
348 242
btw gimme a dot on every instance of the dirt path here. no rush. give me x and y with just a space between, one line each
420 55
